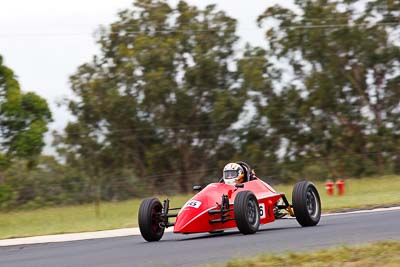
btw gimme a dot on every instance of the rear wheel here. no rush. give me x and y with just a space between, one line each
306 203
247 212
150 219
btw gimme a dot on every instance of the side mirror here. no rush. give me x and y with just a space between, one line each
197 187
239 185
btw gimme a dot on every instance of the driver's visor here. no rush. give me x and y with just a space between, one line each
229 174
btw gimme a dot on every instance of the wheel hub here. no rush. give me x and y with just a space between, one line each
252 212
311 203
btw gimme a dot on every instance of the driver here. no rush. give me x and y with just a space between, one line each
233 174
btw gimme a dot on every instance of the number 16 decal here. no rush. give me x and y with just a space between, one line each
262 211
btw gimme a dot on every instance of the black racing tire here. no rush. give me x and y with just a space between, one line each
306 203
149 219
247 212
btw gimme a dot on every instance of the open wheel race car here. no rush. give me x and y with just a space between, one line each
220 206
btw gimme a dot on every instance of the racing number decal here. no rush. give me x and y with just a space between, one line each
262 211
193 203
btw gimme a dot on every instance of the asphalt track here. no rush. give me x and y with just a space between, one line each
198 249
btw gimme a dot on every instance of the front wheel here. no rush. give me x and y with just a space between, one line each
150 219
247 212
306 203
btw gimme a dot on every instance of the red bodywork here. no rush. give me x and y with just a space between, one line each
194 216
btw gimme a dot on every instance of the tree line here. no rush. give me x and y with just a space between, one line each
172 97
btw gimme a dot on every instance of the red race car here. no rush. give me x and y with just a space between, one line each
239 199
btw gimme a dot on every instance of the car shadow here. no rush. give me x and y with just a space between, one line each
213 235
237 232
233 232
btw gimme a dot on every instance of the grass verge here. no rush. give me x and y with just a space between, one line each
359 193
373 254
70 219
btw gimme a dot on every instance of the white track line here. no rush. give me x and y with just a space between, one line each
121 232
72 237
363 211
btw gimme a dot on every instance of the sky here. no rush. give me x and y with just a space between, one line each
44 41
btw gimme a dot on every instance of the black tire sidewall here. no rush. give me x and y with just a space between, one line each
241 212
299 198
148 229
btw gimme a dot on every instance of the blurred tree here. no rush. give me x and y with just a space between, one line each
161 99
339 102
23 123
258 145
49 183
23 120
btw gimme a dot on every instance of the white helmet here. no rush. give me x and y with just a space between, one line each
233 174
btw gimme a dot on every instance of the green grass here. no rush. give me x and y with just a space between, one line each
359 193
74 218
374 254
